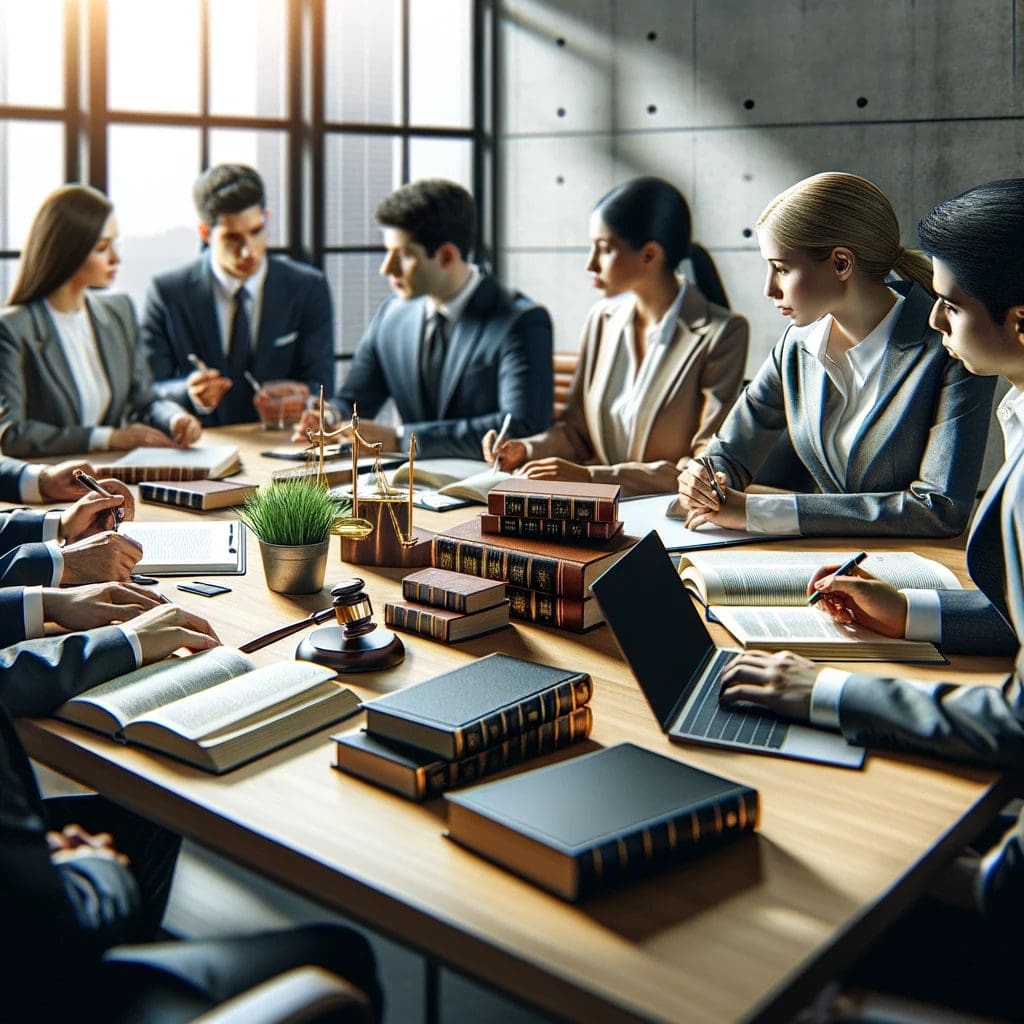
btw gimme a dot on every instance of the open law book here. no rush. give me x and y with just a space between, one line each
468 479
213 709
761 598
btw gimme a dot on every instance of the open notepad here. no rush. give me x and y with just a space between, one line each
761 598
641 515
214 709
210 548
460 481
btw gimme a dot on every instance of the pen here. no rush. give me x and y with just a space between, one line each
197 362
93 485
500 440
253 382
709 466
841 571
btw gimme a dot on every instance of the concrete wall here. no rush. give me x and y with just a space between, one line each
733 101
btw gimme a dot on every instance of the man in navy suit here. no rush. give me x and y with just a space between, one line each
454 349
236 310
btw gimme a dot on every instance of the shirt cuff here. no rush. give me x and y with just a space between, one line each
99 439
32 608
825 695
51 526
57 557
28 482
924 616
772 513
133 640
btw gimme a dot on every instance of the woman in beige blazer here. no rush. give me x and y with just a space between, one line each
660 365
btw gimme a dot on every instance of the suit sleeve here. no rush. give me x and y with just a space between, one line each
10 479
314 350
971 624
20 526
525 390
156 344
28 565
365 380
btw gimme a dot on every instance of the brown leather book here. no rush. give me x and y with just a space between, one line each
441 624
570 531
555 499
566 570
452 590
551 610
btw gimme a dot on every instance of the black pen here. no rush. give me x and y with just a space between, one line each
93 485
710 467
841 571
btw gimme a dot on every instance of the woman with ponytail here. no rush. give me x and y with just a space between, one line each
890 429
661 359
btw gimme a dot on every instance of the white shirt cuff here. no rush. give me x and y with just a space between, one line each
825 695
99 439
133 639
51 526
57 556
28 482
772 513
32 608
924 616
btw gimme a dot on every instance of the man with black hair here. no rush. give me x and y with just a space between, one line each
454 349
236 310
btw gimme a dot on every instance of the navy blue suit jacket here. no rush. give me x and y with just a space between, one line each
498 361
296 333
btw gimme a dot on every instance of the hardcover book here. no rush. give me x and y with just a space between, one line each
441 624
201 495
593 821
551 610
419 775
477 705
452 590
469 479
199 463
572 531
563 569
213 709
555 499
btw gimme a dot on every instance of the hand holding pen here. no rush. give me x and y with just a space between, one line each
503 455
819 585
206 387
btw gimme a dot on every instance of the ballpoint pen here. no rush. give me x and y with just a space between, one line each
252 381
93 485
710 468
197 362
841 571
499 441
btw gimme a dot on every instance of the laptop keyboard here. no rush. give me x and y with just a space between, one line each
708 720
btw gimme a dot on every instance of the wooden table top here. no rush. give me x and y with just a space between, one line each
748 933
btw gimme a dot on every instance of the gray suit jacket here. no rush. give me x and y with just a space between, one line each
915 464
41 411
10 478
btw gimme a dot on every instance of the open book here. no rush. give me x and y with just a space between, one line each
199 463
210 548
213 709
468 479
761 598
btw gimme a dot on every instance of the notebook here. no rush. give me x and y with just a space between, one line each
208 548
641 515
675 661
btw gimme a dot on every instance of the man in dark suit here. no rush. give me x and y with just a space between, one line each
236 310
454 349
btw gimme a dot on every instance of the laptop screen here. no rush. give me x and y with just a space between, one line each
660 632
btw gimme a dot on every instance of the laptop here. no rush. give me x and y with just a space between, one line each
664 639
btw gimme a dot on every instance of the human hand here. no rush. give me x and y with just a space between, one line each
162 630
100 558
91 514
97 604
310 420
859 598
138 435
555 469
185 429
508 456
206 388
374 433
780 682
73 842
59 483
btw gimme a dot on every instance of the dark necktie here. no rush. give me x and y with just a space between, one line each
435 346
240 346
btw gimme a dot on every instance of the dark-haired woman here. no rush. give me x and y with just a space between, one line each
660 365
72 378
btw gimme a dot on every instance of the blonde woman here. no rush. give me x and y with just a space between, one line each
72 377
890 429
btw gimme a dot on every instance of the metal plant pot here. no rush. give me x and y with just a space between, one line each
295 568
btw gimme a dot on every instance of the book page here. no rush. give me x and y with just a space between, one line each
755 625
217 458
780 577
641 515
458 478
137 693
191 547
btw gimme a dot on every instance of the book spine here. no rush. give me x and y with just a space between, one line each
170 496
141 474
545 609
545 506
438 597
547 529
520 568
417 620
574 692
554 735
675 839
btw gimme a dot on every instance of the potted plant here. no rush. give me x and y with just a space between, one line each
292 521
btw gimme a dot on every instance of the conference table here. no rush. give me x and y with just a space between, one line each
748 933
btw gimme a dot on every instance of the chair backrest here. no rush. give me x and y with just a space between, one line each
565 368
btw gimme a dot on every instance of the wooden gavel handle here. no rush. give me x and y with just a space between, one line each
282 631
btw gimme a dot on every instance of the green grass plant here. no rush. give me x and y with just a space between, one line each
292 512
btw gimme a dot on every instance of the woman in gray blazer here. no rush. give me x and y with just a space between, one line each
72 378
890 430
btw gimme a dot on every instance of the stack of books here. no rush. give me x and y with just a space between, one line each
448 606
548 578
467 723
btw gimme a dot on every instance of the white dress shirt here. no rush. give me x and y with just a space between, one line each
855 376
224 291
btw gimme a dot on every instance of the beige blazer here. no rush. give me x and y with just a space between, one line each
686 401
